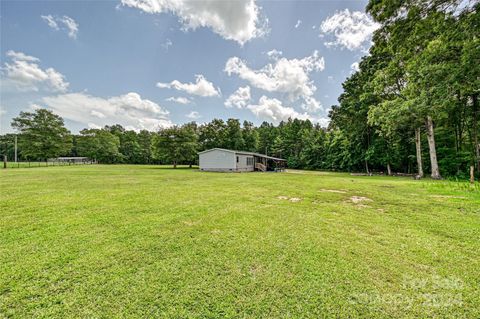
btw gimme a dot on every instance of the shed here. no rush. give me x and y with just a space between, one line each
223 160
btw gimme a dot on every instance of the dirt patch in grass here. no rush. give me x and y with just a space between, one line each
359 199
292 199
447 196
190 223
339 191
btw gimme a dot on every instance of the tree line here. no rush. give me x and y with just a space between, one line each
42 135
416 92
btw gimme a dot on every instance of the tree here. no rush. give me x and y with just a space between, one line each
130 148
233 135
313 154
213 135
144 139
190 143
267 134
100 145
176 145
250 137
7 146
42 135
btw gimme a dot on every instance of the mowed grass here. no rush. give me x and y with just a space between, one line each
146 241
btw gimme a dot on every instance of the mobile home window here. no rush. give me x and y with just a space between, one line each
237 159
250 161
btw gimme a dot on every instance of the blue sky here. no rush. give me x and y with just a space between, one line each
149 64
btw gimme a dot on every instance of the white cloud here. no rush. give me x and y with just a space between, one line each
193 115
272 109
201 87
239 98
24 74
71 25
167 44
129 110
274 54
233 20
352 30
355 67
65 23
50 21
289 77
98 114
180 100
94 126
299 22
20 56
311 105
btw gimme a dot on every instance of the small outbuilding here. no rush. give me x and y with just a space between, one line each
223 160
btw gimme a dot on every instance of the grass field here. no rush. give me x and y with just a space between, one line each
143 241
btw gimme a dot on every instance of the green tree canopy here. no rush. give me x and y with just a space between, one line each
42 135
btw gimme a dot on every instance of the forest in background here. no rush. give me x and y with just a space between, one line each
412 107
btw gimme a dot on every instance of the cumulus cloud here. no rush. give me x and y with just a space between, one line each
24 74
239 98
272 109
351 30
62 23
20 56
167 44
201 87
50 21
129 110
289 77
240 21
299 22
274 54
193 115
311 105
355 67
179 100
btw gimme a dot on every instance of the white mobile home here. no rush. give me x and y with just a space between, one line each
222 160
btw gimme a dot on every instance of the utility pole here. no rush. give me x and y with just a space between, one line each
15 148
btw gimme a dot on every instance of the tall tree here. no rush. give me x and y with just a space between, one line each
175 145
144 139
250 137
213 134
233 135
130 148
100 145
42 135
267 133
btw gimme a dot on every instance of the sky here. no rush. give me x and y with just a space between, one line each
148 64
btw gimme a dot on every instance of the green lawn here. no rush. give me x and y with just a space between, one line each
142 241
